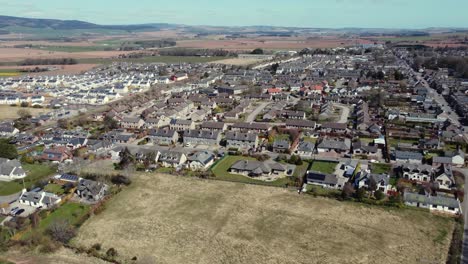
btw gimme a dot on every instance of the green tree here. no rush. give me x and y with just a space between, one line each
360 194
257 51
348 191
110 123
379 195
7 150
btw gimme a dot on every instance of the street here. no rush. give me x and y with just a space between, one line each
256 112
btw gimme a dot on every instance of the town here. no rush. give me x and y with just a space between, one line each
372 123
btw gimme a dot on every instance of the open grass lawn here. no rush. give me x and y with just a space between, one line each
220 170
54 188
35 172
6 73
166 219
379 168
394 141
323 166
71 212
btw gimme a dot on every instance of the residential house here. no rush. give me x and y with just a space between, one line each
56 154
253 168
281 146
157 122
382 181
440 203
443 176
337 145
132 123
201 160
163 136
8 130
201 137
11 170
250 127
416 172
172 159
217 126
91 191
360 147
408 156
39 199
301 124
239 140
322 179
334 127
305 149
181 125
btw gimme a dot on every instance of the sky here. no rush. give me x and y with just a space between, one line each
295 13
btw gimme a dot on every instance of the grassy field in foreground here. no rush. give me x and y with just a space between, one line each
35 172
185 220
155 59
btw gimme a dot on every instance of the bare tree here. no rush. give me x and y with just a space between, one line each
61 231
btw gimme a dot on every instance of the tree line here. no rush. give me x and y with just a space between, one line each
60 61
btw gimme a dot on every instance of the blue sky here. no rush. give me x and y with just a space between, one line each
301 13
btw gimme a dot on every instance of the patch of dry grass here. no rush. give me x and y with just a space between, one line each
186 220
10 112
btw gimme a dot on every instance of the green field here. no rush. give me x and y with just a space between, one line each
324 166
35 172
6 73
155 59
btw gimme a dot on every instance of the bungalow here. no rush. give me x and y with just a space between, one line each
439 203
322 179
91 191
239 140
294 115
201 137
200 160
66 179
172 159
337 145
408 156
39 199
258 168
163 136
11 170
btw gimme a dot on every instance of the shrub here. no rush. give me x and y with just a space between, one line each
379 195
120 180
97 246
61 231
111 252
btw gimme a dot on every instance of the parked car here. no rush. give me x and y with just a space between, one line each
20 211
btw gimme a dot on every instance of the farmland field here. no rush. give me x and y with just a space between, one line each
171 219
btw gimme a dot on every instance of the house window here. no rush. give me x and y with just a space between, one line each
451 209
434 206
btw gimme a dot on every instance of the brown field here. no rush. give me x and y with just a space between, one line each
272 44
14 54
184 220
11 44
9 112
62 256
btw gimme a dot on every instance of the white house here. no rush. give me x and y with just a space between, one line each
39 199
11 170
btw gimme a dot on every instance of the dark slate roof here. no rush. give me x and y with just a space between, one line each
251 137
162 133
432 200
202 134
318 177
408 155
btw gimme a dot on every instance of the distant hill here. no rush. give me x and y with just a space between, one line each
35 23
